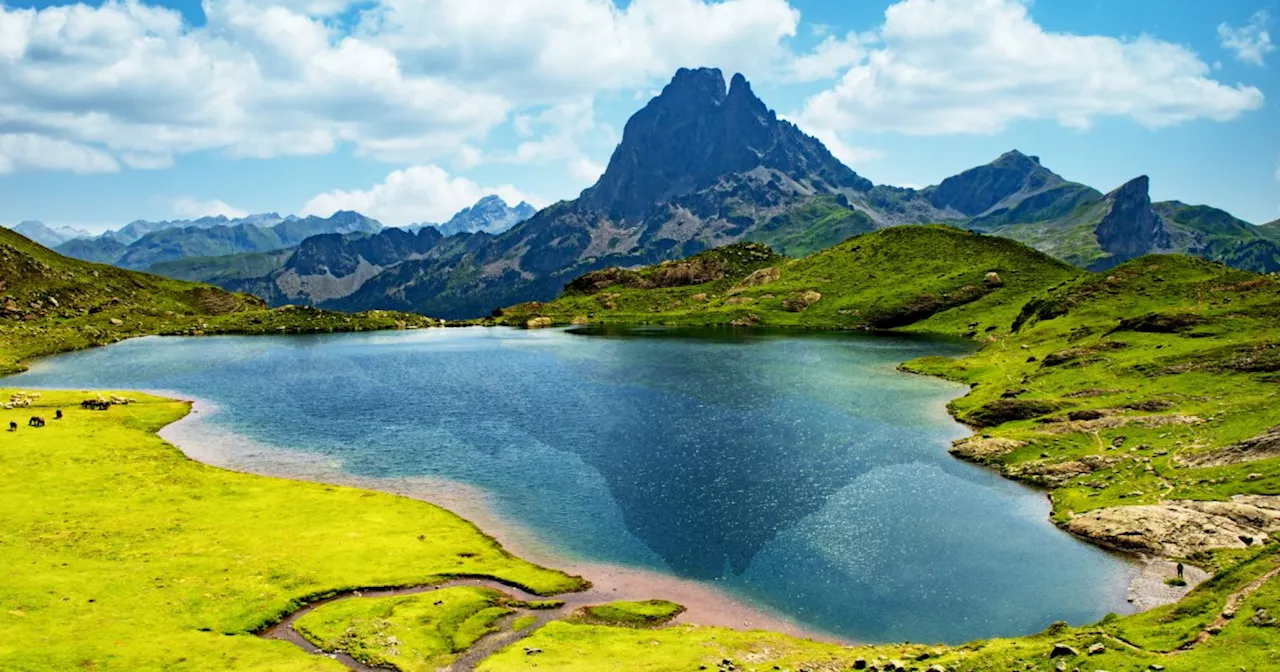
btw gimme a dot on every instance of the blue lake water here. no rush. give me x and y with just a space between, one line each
801 473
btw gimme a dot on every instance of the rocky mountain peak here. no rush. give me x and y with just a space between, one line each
697 132
490 214
1131 228
978 190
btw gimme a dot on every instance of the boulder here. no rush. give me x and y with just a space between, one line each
1063 650
993 279
117 322
1097 648
539 323
763 276
978 448
799 302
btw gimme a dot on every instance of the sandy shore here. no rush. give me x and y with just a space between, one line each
205 442
1149 590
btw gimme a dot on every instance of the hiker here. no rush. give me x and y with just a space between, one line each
1179 570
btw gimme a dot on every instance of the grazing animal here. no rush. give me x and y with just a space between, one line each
57 415
13 426
95 404
35 422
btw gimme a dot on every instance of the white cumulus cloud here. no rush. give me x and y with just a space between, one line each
417 194
30 151
1251 42
401 80
977 66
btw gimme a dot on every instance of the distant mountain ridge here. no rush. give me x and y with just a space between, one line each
490 215
210 237
47 235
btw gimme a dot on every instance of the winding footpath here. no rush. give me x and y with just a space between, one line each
1229 609
467 660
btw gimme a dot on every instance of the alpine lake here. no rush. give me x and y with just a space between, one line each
801 473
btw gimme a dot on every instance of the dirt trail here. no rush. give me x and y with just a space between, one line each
467 660
1229 609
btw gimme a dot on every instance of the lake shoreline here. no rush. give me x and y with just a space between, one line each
203 442
704 605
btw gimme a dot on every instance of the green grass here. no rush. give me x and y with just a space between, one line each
1131 644
121 554
645 614
410 632
920 274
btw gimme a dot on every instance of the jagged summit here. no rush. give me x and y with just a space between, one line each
1131 228
490 214
697 131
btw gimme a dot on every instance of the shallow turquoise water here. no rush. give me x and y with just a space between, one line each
802 473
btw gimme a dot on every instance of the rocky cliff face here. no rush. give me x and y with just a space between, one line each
1131 228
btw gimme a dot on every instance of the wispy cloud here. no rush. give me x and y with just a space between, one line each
1251 42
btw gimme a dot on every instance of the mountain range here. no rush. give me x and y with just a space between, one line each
47 235
704 165
221 249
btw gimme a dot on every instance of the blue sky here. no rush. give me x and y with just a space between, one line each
409 109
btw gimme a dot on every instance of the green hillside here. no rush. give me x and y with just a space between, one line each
217 270
909 276
50 303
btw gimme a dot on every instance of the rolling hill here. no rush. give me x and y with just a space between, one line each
51 303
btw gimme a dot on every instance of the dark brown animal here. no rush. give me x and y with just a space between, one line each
13 426
35 422
57 415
